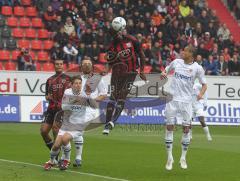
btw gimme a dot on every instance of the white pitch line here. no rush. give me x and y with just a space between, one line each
70 171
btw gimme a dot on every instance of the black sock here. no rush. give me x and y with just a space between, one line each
49 144
110 109
118 110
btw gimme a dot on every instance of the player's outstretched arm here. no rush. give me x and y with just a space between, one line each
202 92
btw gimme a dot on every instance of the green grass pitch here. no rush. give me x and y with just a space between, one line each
126 154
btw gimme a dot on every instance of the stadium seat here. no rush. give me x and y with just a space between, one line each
43 56
1 66
147 69
17 33
33 55
38 66
37 23
31 11
65 67
15 54
47 45
30 33
24 22
98 68
23 43
4 55
10 66
26 2
6 10
12 21
49 67
19 11
102 58
72 67
36 44
43 34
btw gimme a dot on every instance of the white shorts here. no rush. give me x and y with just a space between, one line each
178 111
74 134
198 109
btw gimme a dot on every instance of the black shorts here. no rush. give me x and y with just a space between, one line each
49 116
121 85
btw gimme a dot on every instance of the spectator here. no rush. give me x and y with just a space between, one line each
157 18
184 9
11 43
55 5
226 55
204 20
211 67
199 60
70 53
155 54
61 37
222 66
162 8
87 37
42 5
224 32
69 28
93 52
208 42
173 9
49 18
81 52
73 39
56 52
191 19
25 61
234 66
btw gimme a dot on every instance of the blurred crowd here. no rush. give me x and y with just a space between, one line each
164 27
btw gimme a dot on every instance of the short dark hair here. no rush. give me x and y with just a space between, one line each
76 77
58 60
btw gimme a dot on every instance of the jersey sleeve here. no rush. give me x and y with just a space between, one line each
102 88
201 75
66 101
171 66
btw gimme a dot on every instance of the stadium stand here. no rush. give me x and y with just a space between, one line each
163 27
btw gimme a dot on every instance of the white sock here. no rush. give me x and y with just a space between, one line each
190 132
206 130
185 144
169 143
53 155
67 151
63 156
79 147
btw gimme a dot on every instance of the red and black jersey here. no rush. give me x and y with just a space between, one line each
126 51
55 86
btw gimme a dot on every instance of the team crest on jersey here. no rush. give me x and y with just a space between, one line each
128 45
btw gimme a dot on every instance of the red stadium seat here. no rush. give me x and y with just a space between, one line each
36 45
26 2
19 11
43 34
15 54
65 67
102 58
98 68
31 11
37 23
1 66
49 67
30 33
12 21
72 67
4 55
23 43
43 56
6 10
38 66
47 45
10 66
24 22
147 69
17 33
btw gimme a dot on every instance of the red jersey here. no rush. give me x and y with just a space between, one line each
55 86
125 51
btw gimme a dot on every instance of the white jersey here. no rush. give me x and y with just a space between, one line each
76 117
196 90
184 77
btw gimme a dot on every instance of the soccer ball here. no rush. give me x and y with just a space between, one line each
118 24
